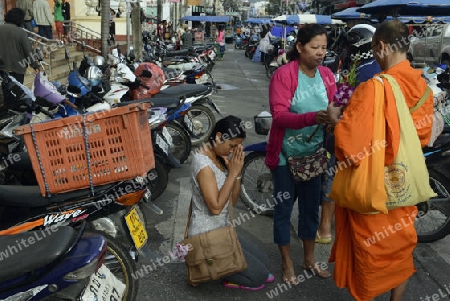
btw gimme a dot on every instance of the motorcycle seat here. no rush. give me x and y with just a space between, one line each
176 60
184 90
49 245
30 196
182 52
167 101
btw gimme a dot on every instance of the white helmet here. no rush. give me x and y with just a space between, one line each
290 39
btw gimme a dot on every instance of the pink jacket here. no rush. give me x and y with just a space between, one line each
281 91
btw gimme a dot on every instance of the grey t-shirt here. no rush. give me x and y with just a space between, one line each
202 220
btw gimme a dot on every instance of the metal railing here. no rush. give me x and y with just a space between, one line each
44 46
80 34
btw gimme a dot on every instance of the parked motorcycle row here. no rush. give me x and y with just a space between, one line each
433 221
83 244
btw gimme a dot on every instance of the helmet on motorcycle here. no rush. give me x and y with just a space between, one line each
359 38
290 39
94 75
99 60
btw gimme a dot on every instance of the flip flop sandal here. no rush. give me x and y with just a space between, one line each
322 240
228 284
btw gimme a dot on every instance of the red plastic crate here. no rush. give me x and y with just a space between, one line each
120 148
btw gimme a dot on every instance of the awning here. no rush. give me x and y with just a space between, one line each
407 7
215 19
305 19
258 21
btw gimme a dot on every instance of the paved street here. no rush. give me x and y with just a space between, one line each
245 94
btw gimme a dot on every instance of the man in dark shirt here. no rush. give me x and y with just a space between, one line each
17 53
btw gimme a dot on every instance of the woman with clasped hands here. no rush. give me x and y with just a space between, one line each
299 94
216 181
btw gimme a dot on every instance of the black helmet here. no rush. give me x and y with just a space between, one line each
359 39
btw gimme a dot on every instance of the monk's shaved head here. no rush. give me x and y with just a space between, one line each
394 33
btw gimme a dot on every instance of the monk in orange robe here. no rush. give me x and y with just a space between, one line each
373 252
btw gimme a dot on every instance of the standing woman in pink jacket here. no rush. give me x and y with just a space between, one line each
299 94
220 40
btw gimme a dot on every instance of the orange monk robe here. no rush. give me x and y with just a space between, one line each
373 253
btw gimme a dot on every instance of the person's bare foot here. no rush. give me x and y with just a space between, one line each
288 273
317 270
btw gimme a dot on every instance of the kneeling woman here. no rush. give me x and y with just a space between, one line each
216 181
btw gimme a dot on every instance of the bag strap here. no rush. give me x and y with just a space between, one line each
190 214
421 101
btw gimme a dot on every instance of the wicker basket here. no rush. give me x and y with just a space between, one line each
83 151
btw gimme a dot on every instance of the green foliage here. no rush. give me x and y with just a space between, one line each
352 75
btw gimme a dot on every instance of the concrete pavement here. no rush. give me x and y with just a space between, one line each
245 94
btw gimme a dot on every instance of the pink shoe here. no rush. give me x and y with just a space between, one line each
270 278
228 284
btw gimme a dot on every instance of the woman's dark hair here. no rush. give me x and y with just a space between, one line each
264 30
231 126
15 16
304 36
221 27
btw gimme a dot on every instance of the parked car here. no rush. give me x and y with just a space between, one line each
431 44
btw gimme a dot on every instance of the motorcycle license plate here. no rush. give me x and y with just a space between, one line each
188 122
167 136
103 285
136 228
162 144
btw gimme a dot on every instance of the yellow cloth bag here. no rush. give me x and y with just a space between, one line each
361 188
406 179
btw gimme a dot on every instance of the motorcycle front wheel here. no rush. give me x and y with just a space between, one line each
257 184
181 147
433 220
203 120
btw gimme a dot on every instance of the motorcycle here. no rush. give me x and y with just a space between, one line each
112 209
57 263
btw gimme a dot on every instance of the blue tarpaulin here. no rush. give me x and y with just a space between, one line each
278 31
215 19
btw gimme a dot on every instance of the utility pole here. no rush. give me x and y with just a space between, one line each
127 12
104 32
159 9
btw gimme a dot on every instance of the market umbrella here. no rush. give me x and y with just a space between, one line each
305 19
350 14
407 7
258 21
